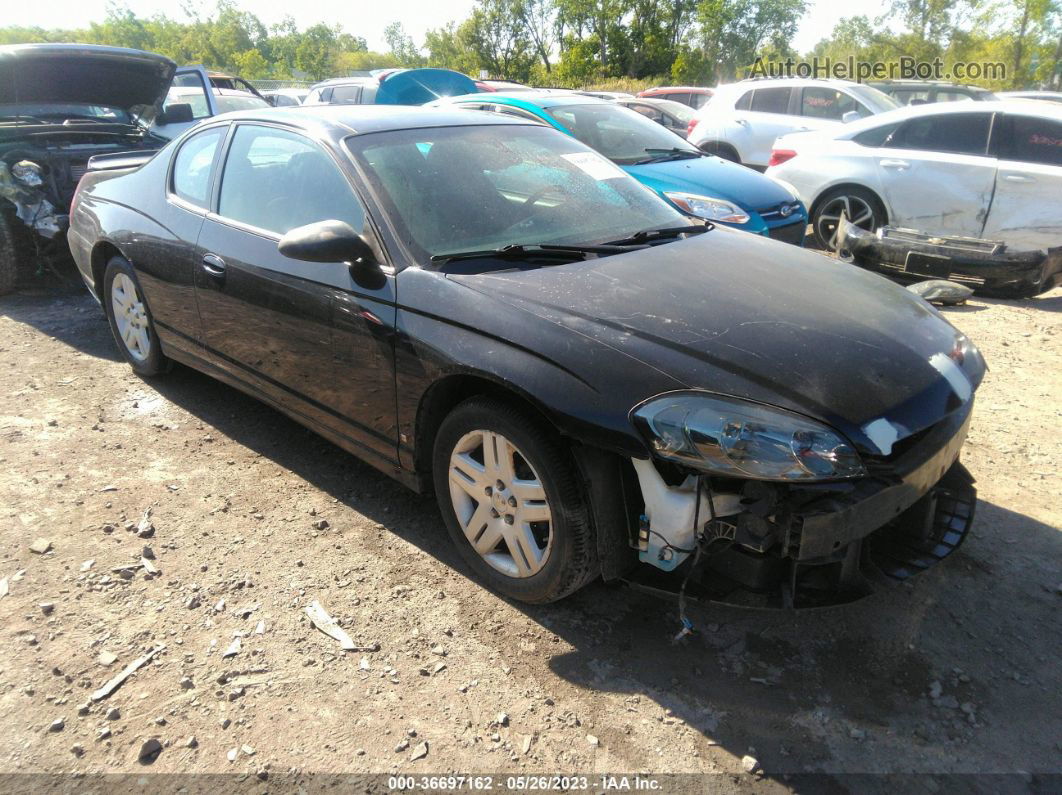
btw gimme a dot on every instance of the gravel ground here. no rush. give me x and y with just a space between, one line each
248 518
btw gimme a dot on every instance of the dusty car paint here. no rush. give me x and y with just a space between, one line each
374 360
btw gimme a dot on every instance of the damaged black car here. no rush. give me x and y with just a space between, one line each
592 383
61 104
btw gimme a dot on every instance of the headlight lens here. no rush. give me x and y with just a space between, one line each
738 438
709 207
28 173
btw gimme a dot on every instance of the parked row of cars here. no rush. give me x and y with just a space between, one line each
530 315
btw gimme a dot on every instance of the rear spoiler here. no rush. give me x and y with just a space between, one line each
119 160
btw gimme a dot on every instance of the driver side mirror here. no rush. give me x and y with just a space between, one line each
327 241
178 113
850 116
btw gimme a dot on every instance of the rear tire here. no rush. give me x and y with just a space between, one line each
512 503
130 319
9 256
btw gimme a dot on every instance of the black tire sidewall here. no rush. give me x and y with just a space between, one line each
156 362
862 193
567 567
9 255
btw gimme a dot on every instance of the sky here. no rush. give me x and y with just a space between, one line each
368 19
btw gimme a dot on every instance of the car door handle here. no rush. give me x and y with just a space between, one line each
891 163
742 122
214 265
1017 178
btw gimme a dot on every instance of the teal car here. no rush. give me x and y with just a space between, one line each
697 183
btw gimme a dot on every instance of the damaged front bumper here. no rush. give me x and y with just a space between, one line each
988 266
825 544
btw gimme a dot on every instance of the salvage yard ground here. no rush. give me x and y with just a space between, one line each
252 518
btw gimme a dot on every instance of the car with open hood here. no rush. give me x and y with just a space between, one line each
591 382
61 104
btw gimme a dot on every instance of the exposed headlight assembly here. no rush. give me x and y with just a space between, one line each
708 207
28 173
738 438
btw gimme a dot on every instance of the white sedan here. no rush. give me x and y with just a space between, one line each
973 190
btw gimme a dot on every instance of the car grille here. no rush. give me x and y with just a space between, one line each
77 171
790 233
783 210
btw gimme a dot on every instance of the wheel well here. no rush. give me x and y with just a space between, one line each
845 185
101 255
444 395
712 147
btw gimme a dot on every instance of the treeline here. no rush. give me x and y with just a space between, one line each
586 42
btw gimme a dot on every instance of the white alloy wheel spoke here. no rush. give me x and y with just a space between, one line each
505 517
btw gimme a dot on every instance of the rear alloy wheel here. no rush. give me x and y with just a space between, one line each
511 502
130 320
862 208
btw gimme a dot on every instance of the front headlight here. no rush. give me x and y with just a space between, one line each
738 438
709 207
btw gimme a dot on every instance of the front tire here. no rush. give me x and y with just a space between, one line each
511 501
863 208
130 320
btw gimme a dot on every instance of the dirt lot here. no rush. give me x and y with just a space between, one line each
254 518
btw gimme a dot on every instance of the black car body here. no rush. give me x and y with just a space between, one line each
61 104
379 349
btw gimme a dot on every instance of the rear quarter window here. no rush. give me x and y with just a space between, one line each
1035 140
771 100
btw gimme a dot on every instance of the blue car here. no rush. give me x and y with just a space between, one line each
695 182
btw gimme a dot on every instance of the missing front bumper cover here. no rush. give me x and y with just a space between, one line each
986 265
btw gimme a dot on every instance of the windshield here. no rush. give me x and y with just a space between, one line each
619 133
229 102
224 102
453 189
878 101
60 112
677 109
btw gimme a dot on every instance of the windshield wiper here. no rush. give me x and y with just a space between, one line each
531 252
649 235
674 153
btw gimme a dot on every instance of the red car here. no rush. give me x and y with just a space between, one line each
694 96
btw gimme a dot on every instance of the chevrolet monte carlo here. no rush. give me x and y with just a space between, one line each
592 383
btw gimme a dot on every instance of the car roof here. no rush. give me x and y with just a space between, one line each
359 119
907 83
767 82
337 81
703 89
539 99
1023 106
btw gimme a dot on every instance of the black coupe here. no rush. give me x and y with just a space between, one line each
585 377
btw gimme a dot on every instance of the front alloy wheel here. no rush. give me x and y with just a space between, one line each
500 503
508 492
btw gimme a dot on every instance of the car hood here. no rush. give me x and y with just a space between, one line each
749 317
83 74
716 177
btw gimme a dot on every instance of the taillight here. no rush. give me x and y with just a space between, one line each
690 126
779 156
